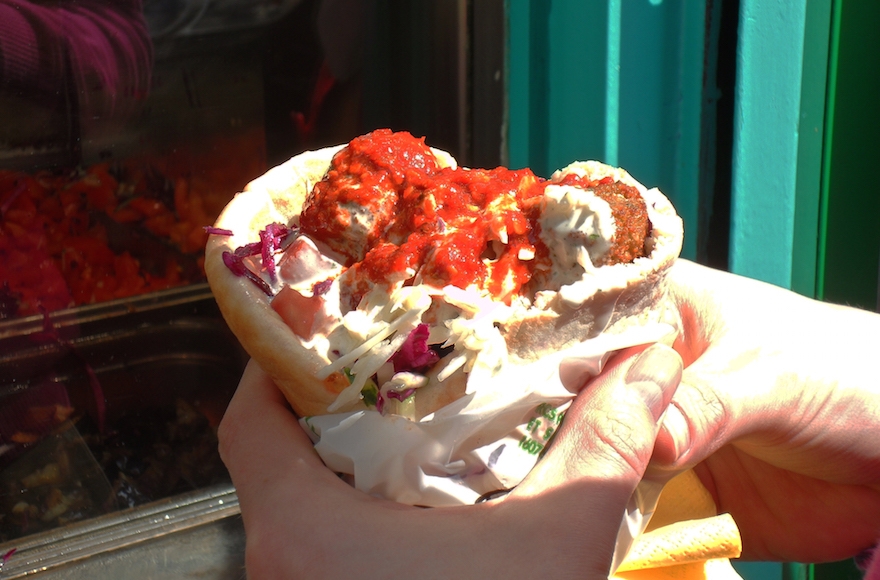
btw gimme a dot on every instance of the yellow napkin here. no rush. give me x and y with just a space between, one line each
685 539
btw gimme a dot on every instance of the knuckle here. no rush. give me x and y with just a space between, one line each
704 409
620 441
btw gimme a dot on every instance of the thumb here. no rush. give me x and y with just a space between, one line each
699 420
610 429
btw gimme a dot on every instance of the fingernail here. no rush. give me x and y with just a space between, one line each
674 437
656 371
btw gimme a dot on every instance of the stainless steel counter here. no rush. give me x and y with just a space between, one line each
197 535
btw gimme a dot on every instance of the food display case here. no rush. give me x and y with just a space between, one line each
125 136
108 415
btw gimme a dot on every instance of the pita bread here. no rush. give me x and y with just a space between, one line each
605 300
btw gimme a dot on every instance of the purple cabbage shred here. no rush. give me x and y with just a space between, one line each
8 555
259 282
218 231
272 239
252 249
415 354
380 402
276 234
321 288
401 395
267 252
235 263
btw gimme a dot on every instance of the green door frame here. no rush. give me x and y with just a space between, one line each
779 128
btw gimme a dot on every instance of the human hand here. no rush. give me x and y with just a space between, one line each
779 410
301 520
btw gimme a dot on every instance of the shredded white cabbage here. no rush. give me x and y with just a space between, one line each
365 367
383 328
382 323
401 313
402 381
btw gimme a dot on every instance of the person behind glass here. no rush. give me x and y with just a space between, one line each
771 398
102 46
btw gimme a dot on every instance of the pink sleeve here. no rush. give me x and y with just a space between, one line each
869 562
106 44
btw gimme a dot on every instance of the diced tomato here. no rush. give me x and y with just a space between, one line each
53 254
126 215
129 281
15 230
181 199
22 216
297 311
171 277
90 250
161 224
101 193
195 239
147 206
50 208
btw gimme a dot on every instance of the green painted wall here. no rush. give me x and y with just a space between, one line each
616 81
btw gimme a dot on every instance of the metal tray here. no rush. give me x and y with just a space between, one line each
149 308
160 366
196 535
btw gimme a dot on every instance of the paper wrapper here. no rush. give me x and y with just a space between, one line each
490 439
486 441
685 539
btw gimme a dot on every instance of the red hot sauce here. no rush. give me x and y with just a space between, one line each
389 208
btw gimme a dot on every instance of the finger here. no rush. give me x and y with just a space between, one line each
695 425
732 390
808 428
610 429
725 394
267 453
586 479
259 428
283 487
